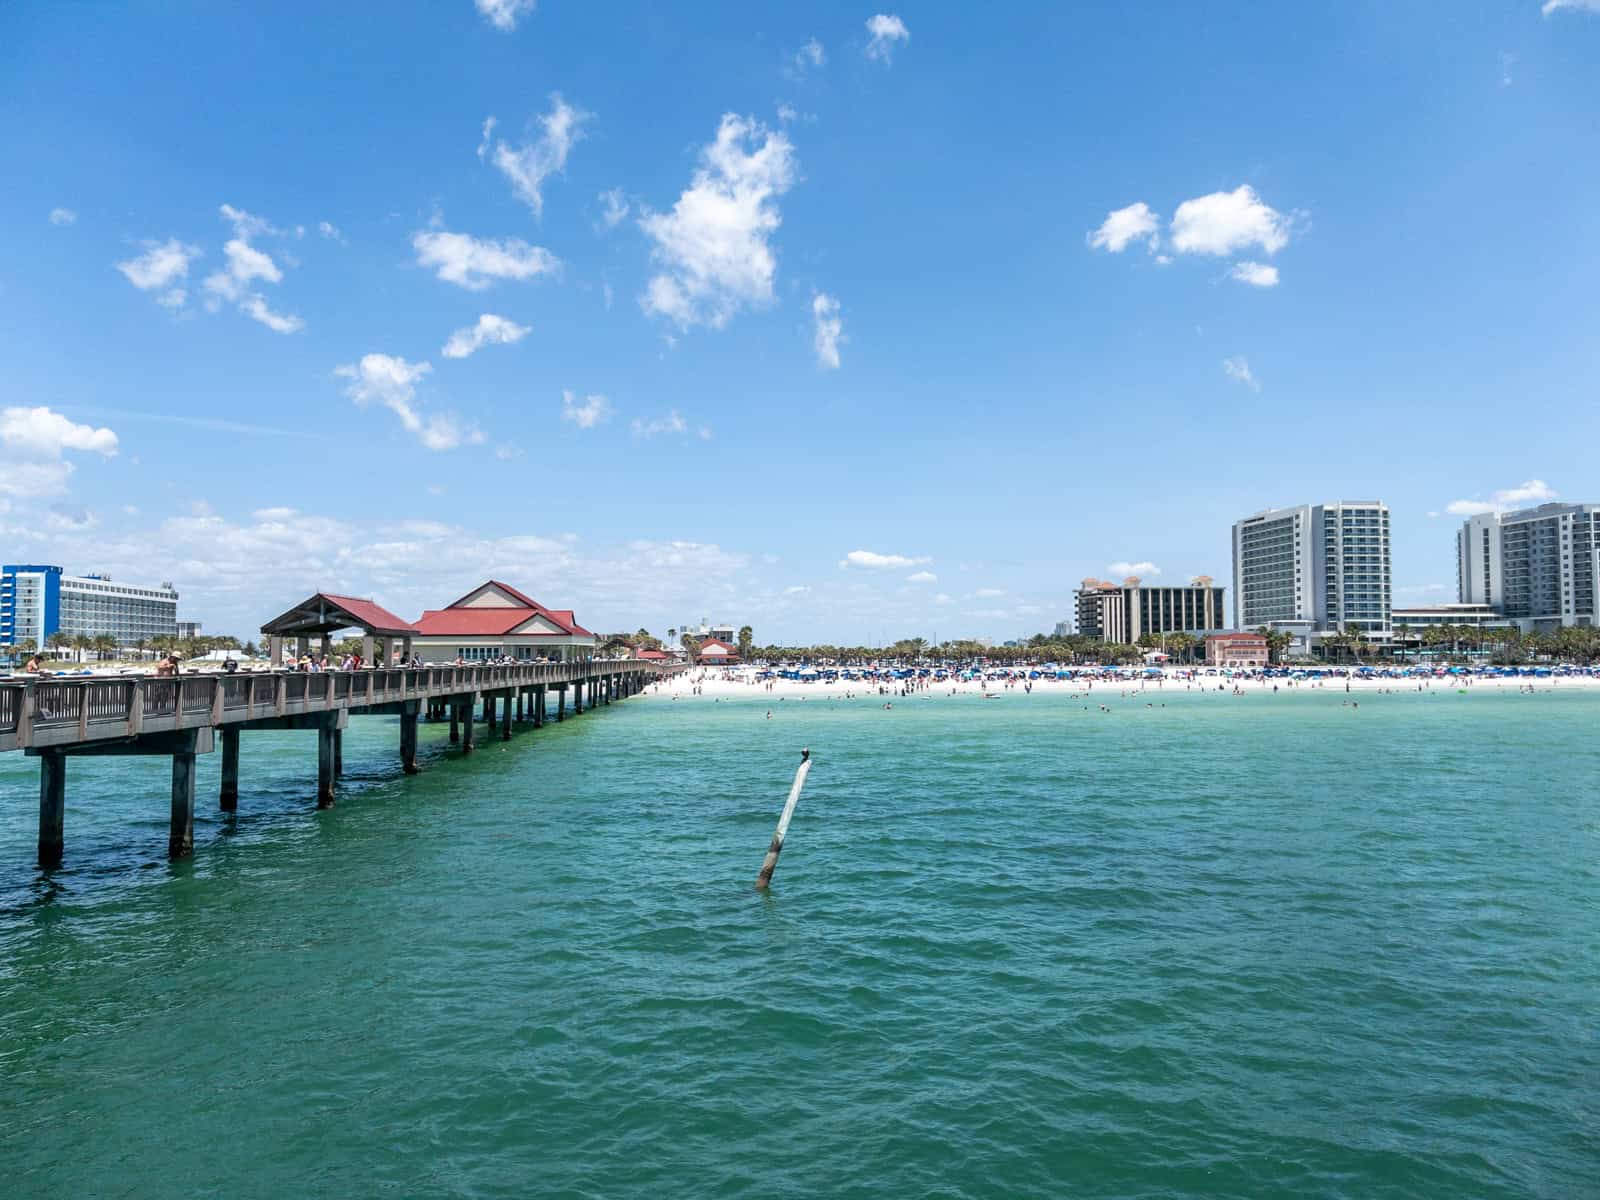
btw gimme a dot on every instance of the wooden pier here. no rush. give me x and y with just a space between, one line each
56 719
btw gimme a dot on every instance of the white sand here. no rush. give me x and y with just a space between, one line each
716 683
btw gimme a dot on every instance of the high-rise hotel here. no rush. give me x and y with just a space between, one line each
1314 569
1540 567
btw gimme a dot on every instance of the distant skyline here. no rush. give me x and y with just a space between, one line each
848 324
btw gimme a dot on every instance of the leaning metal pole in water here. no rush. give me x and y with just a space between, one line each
771 863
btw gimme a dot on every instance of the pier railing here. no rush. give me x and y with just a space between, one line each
58 711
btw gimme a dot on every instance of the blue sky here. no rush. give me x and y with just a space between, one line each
841 321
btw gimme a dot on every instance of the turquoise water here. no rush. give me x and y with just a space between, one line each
1270 946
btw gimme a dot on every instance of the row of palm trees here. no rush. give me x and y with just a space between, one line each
103 646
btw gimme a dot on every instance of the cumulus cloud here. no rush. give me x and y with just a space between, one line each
829 330
1525 494
614 208
1136 223
810 55
527 166
330 231
161 270
1121 570
922 577
392 382
885 31
712 247
1551 6
490 330
673 422
245 266
874 561
474 264
587 413
504 14
1224 222
1255 274
62 216
33 445
1238 369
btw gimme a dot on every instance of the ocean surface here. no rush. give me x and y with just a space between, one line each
1259 947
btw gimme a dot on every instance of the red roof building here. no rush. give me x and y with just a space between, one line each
494 620
714 653
1236 650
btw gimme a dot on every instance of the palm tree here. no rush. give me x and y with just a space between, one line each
104 644
747 637
59 641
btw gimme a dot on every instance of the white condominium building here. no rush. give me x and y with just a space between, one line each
1314 568
1539 566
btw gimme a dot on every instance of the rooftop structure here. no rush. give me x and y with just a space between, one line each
495 620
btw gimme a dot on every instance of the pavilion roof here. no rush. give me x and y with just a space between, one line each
324 612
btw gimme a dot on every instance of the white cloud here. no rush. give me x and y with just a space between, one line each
489 331
810 55
506 451
942 598
829 331
616 207
713 246
1527 493
255 307
880 562
33 443
922 577
475 264
246 225
787 112
1255 274
1137 222
673 422
392 382
161 269
989 593
591 411
886 30
1120 570
1224 222
1551 6
330 231
245 266
1239 369
527 166
796 590
62 216
504 14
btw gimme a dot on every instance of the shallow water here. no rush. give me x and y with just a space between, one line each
1270 946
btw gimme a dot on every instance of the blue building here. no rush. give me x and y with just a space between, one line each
30 603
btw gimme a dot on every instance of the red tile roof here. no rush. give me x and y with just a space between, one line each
712 646
458 621
1235 637
368 613
652 654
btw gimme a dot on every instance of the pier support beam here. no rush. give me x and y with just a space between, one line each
538 706
325 772
505 717
577 697
338 754
466 725
229 796
408 738
561 702
455 722
180 838
52 807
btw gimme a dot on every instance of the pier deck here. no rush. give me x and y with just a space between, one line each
57 718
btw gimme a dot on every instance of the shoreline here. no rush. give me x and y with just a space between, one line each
717 684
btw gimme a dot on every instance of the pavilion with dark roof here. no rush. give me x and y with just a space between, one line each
324 614
494 620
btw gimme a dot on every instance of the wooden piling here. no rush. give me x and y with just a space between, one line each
52 807
466 725
408 740
505 717
180 838
229 797
770 864
325 772
455 722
